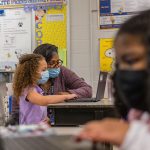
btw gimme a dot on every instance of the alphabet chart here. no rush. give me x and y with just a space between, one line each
51 27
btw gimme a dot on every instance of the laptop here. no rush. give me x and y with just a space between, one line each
54 142
100 90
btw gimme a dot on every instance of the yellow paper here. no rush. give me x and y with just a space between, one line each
107 55
53 30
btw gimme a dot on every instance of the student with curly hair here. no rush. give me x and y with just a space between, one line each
32 72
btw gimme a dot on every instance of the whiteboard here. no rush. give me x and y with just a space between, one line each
15 33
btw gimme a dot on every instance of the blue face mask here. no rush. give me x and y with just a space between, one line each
53 72
44 77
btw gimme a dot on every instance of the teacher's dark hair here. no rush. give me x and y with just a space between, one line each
46 50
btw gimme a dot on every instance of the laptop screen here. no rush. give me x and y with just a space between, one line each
101 85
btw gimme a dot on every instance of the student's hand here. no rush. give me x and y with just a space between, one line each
71 96
47 121
63 93
108 130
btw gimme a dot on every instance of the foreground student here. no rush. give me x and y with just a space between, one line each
131 84
30 73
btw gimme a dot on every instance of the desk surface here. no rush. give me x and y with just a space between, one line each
104 103
67 130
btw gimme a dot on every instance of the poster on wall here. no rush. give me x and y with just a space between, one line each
23 2
15 33
107 55
112 13
51 27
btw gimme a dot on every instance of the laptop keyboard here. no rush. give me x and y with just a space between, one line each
82 100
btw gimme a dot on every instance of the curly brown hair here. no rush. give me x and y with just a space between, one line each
26 73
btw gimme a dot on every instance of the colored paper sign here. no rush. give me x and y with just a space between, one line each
107 55
51 27
63 56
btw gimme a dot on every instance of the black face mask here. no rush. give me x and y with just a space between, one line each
130 90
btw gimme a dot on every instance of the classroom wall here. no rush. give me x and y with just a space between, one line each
84 41
96 34
80 38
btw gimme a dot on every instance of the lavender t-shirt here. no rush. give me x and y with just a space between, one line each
31 113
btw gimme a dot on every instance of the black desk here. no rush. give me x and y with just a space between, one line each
75 114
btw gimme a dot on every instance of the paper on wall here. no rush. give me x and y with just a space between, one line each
15 33
107 55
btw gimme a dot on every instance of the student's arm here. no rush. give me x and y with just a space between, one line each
41 100
133 136
107 130
75 84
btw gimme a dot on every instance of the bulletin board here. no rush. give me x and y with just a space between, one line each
107 55
51 27
20 27
112 13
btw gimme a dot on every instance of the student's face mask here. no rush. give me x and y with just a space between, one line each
53 72
130 88
44 77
